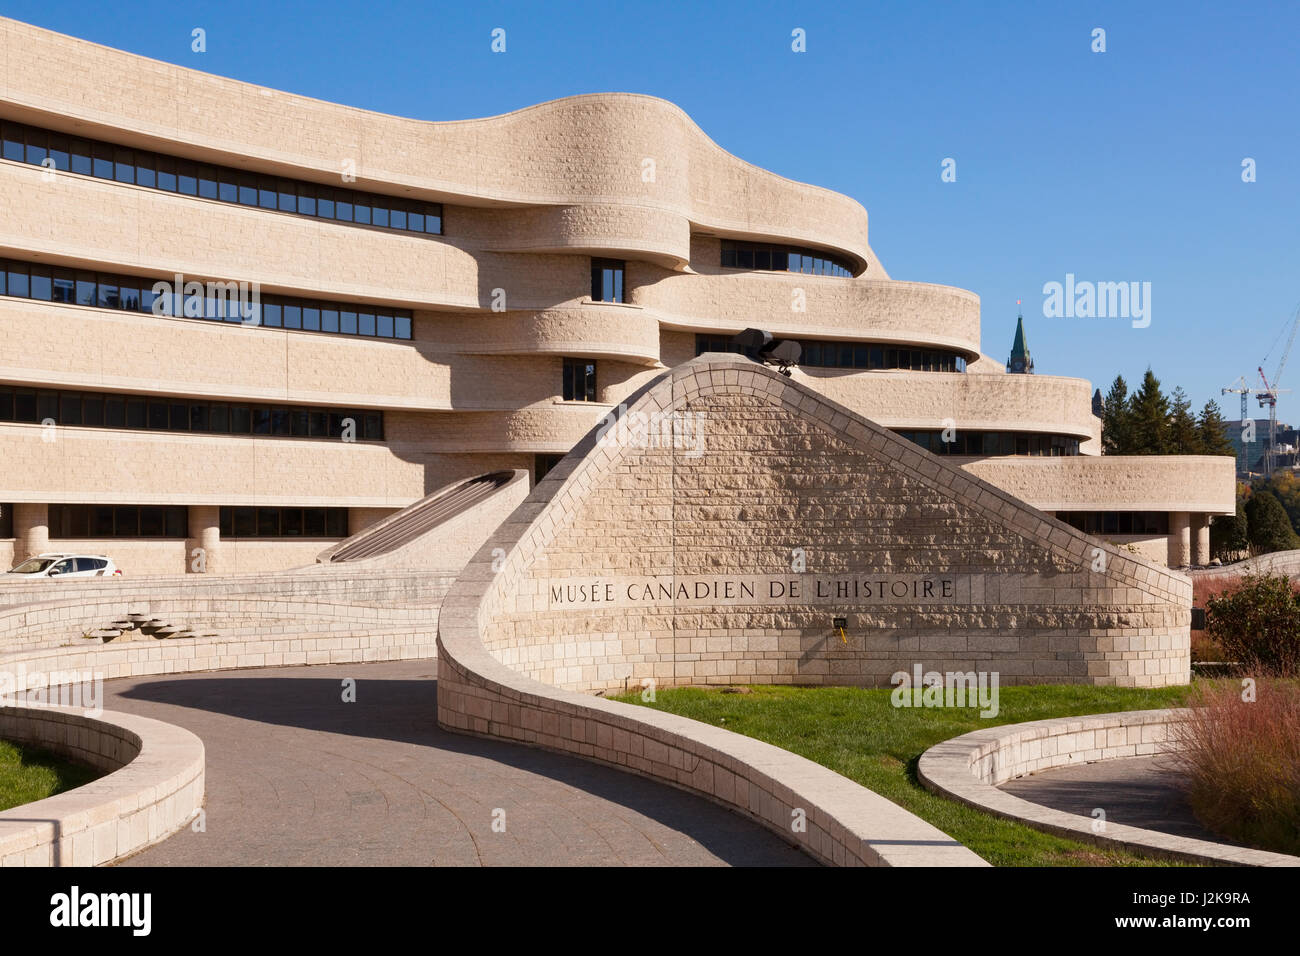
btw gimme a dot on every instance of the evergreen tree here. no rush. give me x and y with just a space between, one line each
1149 418
1182 437
1214 431
1116 431
1229 533
1268 527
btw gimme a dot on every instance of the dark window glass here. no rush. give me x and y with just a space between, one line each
402 326
227 185
115 411
293 317
325 203
208 187
18 284
245 523
219 418
372 427
329 320
336 522
6 411
272 314
167 173
348 322
415 221
187 178
158 415
268 522
36 146
81 161
306 199
433 222
13 142
267 194
397 219
199 417
379 216
247 189
241 420
343 206
366 323
124 165
319 424
291 522
280 424
59 152
261 421
384 326
41 283
24 405
288 199
299 423
360 209
70 408
47 406
313 522
146 170
178 416
311 318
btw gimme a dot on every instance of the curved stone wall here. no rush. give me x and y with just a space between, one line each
154 787
584 149
970 768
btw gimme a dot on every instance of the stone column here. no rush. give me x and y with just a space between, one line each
205 534
1180 539
1200 540
31 530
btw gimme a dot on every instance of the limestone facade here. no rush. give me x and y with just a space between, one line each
498 301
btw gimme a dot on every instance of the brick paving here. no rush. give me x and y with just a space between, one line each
295 776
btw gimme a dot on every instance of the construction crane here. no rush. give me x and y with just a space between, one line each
1242 387
1267 395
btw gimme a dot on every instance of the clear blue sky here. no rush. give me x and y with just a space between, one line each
1115 166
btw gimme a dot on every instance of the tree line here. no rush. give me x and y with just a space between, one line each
1150 423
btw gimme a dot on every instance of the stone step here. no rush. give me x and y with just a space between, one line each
103 633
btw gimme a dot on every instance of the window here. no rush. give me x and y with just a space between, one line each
219 301
6 521
988 444
283 522
542 464
118 521
579 380
817 353
607 280
111 410
780 258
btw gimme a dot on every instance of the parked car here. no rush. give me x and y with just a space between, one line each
64 566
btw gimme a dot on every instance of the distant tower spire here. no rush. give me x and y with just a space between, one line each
1020 362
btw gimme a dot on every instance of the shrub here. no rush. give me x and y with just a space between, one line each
1229 534
1268 526
1258 624
1241 762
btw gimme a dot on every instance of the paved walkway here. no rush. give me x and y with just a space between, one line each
1134 791
295 776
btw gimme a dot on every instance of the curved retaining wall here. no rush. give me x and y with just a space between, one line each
970 768
153 787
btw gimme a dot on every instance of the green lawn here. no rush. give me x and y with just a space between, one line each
27 774
858 733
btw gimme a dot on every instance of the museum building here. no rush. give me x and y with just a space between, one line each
255 323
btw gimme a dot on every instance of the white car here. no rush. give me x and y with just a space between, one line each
64 566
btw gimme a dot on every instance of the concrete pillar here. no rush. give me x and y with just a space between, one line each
31 529
1180 539
1200 540
205 535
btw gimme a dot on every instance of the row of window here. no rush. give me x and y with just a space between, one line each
781 258
1117 522
579 380
119 521
41 147
818 353
283 522
115 410
993 443
221 301
172 521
